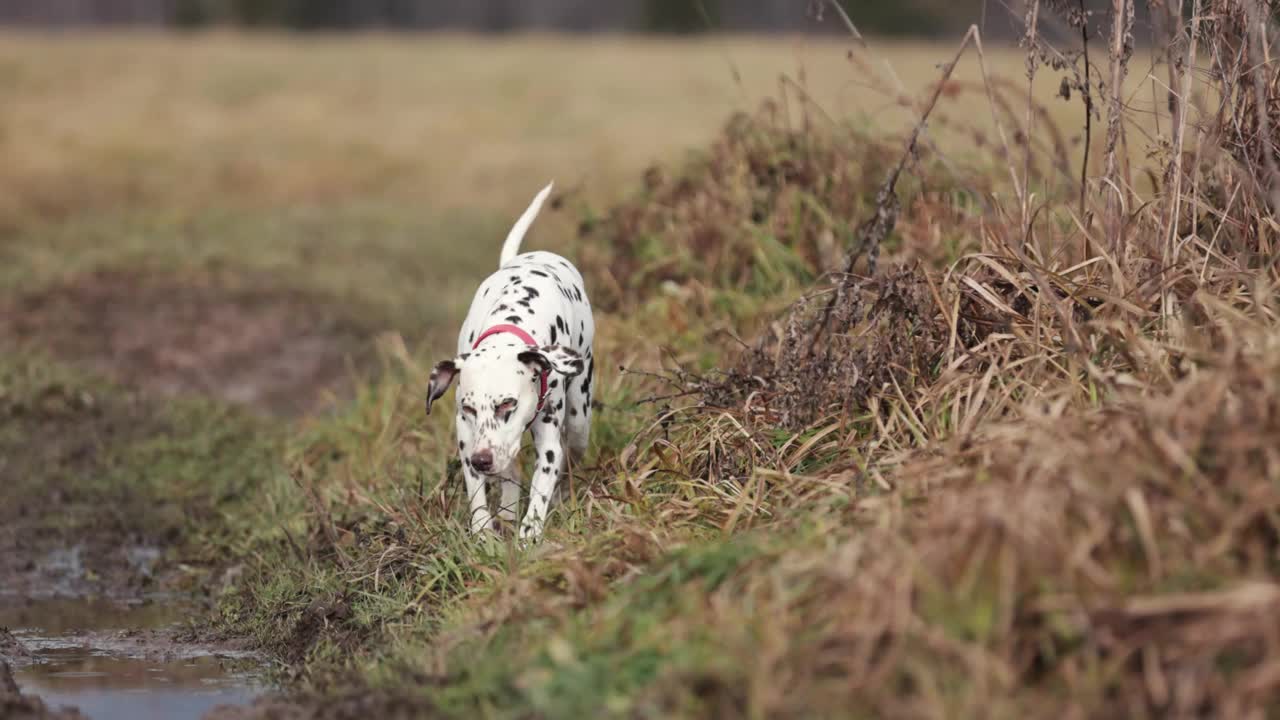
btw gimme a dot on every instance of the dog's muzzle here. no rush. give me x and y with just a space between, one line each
482 461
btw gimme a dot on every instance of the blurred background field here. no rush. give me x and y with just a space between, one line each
388 163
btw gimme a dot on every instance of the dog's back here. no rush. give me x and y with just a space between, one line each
540 292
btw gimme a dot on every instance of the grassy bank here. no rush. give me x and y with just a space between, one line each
1016 458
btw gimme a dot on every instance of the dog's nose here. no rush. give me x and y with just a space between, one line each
482 460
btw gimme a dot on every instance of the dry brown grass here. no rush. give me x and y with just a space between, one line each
1054 457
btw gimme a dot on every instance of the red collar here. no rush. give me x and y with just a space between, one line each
528 340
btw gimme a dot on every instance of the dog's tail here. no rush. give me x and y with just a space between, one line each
511 247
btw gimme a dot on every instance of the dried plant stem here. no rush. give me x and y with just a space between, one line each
862 41
1167 15
1121 47
1087 90
1033 22
995 115
1258 64
1173 176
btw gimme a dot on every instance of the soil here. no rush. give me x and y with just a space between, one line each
243 340
239 340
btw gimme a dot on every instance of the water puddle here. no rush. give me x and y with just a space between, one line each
115 662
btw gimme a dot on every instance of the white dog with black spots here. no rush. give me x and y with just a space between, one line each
524 362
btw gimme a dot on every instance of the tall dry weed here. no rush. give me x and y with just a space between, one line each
1083 405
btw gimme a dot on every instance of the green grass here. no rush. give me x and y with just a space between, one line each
404 269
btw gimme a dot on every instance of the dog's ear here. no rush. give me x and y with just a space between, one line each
553 357
442 376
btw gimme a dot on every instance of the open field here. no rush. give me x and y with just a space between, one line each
1013 457
443 122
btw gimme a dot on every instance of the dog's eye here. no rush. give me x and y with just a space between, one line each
506 407
467 409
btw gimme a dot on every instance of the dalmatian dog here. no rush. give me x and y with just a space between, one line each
523 363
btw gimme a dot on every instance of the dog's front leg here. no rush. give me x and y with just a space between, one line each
546 440
480 518
511 483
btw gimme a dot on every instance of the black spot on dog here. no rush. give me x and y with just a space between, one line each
560 323
553 336
546 419
462 445
554 383
539 273
573 411
515 280
525 303
513 319
532 292
577 293
551 456
472 337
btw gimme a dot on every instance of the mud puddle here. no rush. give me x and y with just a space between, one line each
111 662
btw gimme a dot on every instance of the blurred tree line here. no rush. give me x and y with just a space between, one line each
916 17
662 16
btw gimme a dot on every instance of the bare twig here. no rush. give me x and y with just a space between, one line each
862 41
879 225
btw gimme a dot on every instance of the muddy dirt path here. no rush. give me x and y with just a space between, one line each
99 612
91 624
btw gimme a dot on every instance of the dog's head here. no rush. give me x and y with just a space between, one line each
497 397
